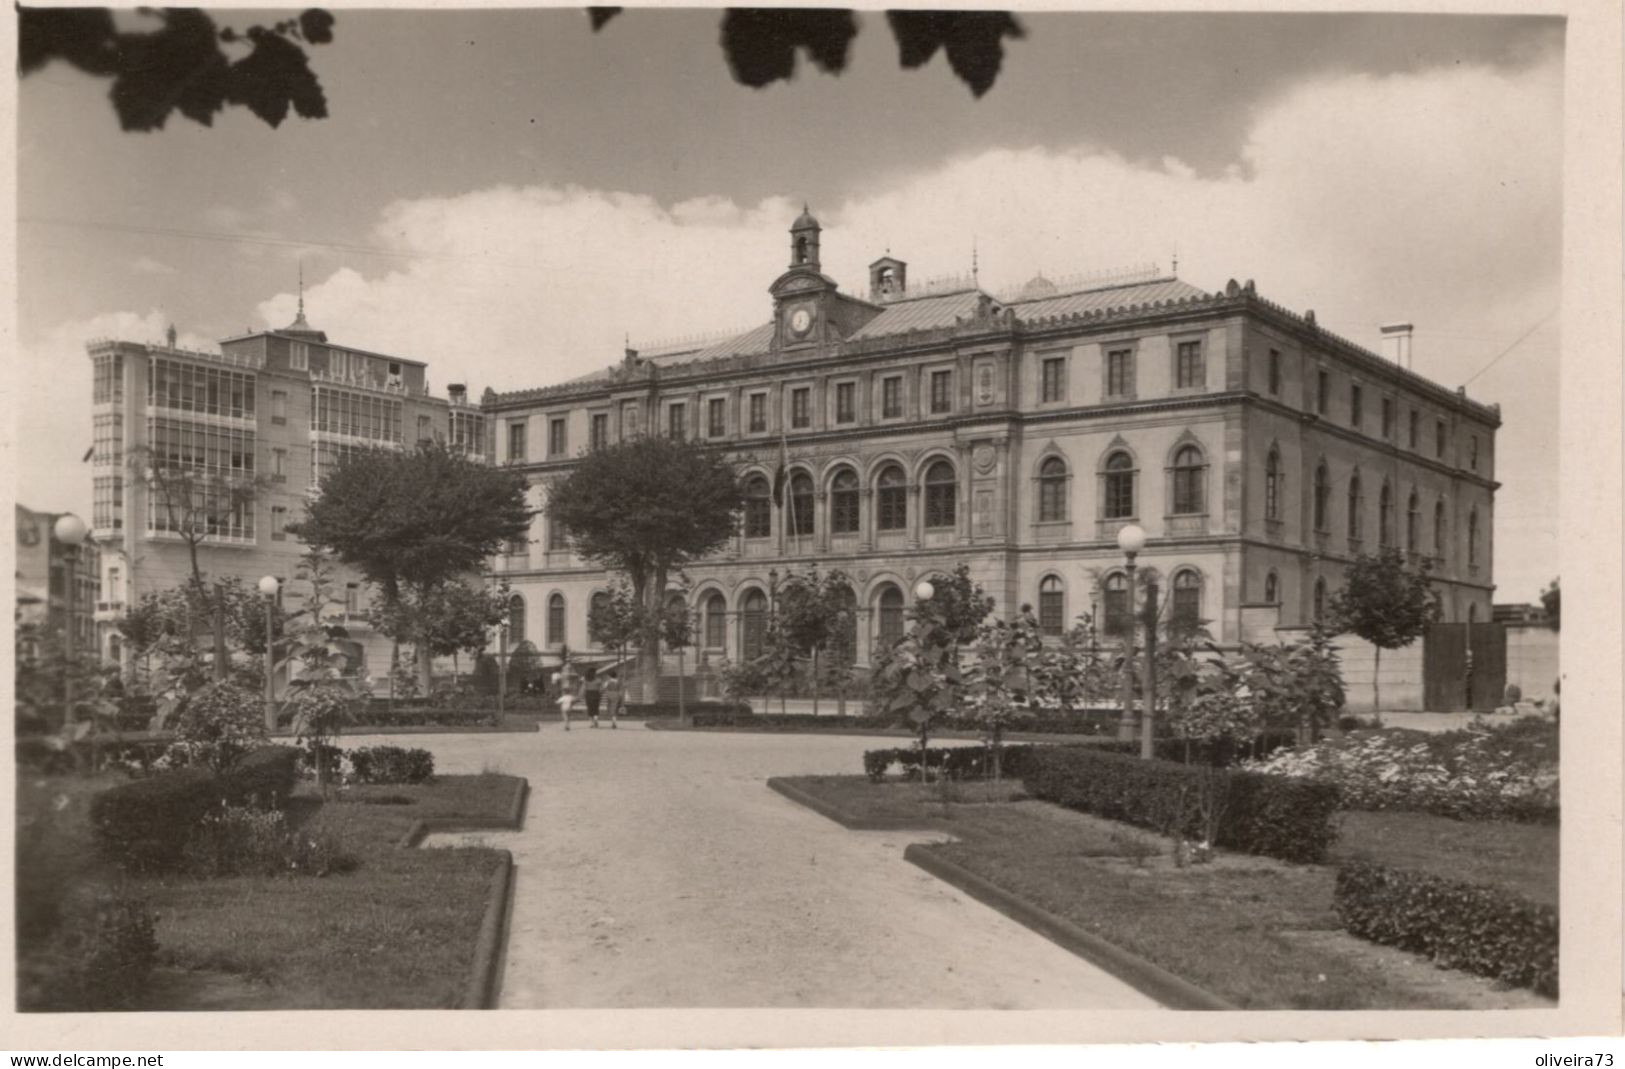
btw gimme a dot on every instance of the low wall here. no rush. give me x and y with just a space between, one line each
1533 663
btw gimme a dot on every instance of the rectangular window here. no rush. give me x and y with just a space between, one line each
1189 371
1053 380
1387 417
941 398
1415 421
556 443
629 420
109 379
352 599
1120 373
891 397
299 356
801 407
846 409
1439 436
716 417
600 429
677 421
758 412
556 539
279 406
516 441
356 415
425 429
279 523
1323 393
1472 452
279 462
1354 405
1275 372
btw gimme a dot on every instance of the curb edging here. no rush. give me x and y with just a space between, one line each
841 816
1172 991
514 821
485 981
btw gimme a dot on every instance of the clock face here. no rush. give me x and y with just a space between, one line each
800 320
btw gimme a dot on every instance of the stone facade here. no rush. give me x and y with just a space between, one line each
1018 435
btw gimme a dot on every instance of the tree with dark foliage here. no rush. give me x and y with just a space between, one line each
1385 603
180 65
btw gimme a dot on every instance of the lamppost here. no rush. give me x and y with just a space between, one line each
1130 539
269 585
502 666
70 531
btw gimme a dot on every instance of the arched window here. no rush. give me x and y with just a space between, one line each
1385 515
801 504
716 622
1187 606
1472 538
1116 604
516 620
890 604
845 645
596 606
1272 485
1119 496
1320 599
1355 527
1051 606
891 499
1052 490
1438 529
941 490
801 250
1413 522
753 621
758 508
843 502
1189 479
1323 498
555 620
1272 589
1472 614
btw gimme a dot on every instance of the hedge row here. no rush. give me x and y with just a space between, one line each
741 716
1221 753
390 764
1483 930
1288 819
143 825
955 762
423 716
1094 722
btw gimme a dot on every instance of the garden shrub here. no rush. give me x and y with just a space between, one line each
220 723
390 764
99 956
953 762
244 841
1291 820
1219 753
1499 772
1483 930
264 777
710 716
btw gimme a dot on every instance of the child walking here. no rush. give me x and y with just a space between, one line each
614 696
594 689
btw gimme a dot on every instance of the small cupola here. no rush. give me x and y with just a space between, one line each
888 279
804 240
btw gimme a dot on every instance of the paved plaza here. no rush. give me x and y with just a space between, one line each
656 869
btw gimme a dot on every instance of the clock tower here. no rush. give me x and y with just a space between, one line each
801 296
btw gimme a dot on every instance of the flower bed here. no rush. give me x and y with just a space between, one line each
955 762
1492 773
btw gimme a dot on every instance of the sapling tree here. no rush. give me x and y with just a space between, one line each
1001 676
816 616
1386 603
323 690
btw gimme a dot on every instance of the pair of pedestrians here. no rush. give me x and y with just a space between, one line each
597 694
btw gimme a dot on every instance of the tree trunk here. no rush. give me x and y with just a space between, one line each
815 679
221 662
649 652
1376 684
425 668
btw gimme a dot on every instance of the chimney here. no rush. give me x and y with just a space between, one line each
171 336
457 392
1396 343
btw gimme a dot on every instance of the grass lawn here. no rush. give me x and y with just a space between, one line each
1257 932
396 932
1522 858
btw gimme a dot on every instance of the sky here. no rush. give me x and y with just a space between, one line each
508 196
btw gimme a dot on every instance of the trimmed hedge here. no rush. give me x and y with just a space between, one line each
717 714
1482 930
741 716
390 764
1222 753
955 762
1269 815
1096 722
144 824
378 715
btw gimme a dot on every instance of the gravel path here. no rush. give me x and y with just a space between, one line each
657 870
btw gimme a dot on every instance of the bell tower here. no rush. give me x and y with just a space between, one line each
804 241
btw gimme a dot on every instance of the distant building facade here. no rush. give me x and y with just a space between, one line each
281 405
43 591
926 427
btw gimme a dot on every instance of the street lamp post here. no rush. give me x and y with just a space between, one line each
269 586
1130 539
502 668
70 531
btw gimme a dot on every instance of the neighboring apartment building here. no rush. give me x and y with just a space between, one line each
924 428
282 405
42 579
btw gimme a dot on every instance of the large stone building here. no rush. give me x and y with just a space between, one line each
45 597
926 427
280 406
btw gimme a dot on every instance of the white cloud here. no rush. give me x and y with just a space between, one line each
1433 197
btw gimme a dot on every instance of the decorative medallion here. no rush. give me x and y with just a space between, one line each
984 458
984 385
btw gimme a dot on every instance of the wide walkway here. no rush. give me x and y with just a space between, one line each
657 870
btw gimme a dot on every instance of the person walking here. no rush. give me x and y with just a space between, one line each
593 688
569 693
614 698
